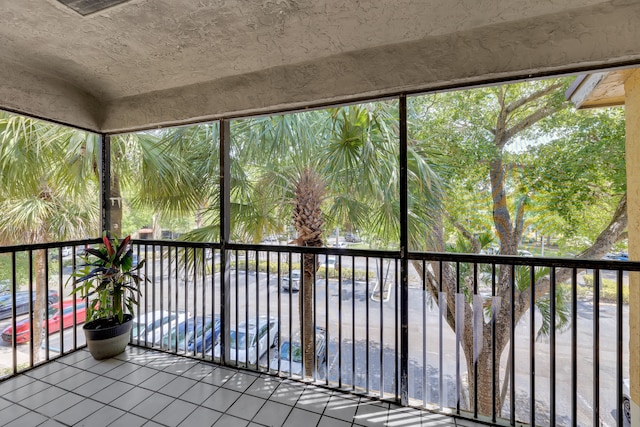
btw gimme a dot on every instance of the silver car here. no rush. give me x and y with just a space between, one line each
294 283
249 343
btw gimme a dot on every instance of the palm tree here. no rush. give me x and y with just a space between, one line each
47 175
337 166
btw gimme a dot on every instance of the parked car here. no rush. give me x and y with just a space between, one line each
22 303
294 283
200 342
194 330
60 316
253 338
290 354
66 252
5 286
352 238
150 326
330 263
524 253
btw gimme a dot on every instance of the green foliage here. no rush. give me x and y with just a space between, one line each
48 187
110 281
563 314
608 289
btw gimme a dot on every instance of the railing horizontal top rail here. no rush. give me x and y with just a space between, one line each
52 245
528 260
372 253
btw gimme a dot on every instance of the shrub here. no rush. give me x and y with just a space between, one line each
608 289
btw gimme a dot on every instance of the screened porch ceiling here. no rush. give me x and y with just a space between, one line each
149 63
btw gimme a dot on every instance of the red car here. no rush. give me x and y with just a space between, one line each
55 320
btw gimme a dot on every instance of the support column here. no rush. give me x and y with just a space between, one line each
105 183
632 118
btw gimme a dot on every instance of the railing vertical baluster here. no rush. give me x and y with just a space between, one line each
532 346
475 359
177 296
340 322
301 313
459 328
315 324
268 270
213 308
494 366
279 284
246 313
326 327
145 289
353 322
596 347
186 282
14 285
170 302
552 343
396 328
74 338
61 292
153 281
381 280
31 361
162 251
204 307
46 304
574 347
619 347
512 331
257 302
424 335
154 277
291 311
366 298
236 314
440 337
197 311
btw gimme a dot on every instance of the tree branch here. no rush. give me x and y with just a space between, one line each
475 243
527 122
535 95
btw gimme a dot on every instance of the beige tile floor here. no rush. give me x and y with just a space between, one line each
148 388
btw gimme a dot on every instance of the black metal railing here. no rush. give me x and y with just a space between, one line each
491 338
32 275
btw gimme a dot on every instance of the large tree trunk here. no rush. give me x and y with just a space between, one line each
484 384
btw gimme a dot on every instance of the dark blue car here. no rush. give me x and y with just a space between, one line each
22 303
200 342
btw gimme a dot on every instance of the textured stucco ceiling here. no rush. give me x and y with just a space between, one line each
148 63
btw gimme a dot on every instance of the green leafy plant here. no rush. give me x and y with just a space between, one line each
110 282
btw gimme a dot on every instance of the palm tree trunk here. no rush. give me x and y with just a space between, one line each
40 308
306 313
308 221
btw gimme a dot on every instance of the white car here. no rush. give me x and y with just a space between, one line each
150 326
252 338
293 364
294 283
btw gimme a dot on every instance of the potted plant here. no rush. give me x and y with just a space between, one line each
110 283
